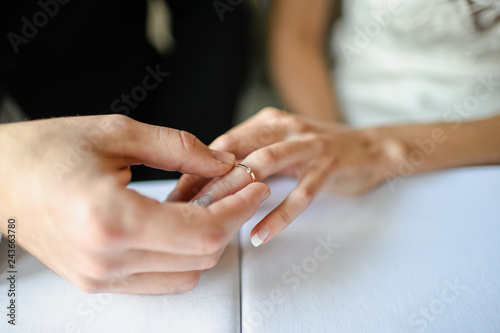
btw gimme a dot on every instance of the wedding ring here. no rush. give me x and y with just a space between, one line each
248 170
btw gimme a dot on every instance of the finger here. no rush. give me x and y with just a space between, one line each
145 261
166 148
123 176
185 229
353 180
265 128
263 162
268 126
293 205
187 187
105 266
157 283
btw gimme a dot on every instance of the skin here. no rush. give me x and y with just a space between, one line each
297 44
78 218
66 188
329 155
336 158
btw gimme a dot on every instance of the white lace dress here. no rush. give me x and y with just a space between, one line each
417 61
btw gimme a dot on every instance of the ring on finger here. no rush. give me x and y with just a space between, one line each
248 170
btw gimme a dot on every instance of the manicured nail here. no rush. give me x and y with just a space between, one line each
260 237
265 197
203 201
173 196
223 157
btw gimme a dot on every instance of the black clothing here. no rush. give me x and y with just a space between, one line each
84 57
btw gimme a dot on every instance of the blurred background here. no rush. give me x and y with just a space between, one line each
254 90
90 58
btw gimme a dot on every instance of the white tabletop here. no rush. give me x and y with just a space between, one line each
424 258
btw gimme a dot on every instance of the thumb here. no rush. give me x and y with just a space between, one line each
169 149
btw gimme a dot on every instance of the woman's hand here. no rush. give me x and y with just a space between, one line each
64 180
321 155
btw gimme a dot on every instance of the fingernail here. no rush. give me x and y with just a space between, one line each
223 156
260 237
203 201
173 196
265 197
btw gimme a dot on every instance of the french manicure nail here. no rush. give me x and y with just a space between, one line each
222 156
260 237
266 196
203 201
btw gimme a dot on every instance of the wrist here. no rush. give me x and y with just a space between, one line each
419 148
392 150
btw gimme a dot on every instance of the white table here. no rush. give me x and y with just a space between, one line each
424 258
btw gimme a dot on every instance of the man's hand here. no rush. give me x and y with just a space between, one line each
65 182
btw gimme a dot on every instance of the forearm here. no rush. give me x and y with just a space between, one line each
438 146
297 56
301 74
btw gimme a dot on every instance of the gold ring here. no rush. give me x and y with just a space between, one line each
248 170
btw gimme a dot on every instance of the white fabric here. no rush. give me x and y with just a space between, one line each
416 60
394 254
432 245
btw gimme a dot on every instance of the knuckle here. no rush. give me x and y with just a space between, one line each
212 242
296 124
284 217
210 262
271 112
88 285
178 139
225 186
188 141
103 238
302 197
190 281
225 142
119 122
100 270
267 156
102 235
320 148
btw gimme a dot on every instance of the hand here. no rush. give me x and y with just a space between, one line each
65 182
321 155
